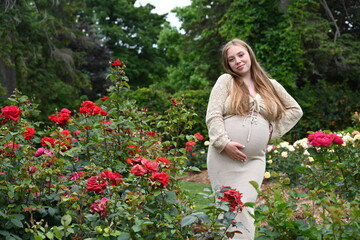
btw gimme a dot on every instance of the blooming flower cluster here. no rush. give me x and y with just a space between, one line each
62 118
98 184
143 166
199 136
319 138
90 108
189 145
233 197
63 144
114 177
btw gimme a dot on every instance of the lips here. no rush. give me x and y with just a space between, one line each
240 67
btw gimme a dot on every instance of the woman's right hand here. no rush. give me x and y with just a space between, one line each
233 150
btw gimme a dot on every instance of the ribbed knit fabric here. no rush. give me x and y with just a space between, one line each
223 170
219 109
251 131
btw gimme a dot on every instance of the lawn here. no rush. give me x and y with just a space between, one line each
197 192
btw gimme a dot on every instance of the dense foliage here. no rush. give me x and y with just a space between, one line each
109 171
100 170
314 190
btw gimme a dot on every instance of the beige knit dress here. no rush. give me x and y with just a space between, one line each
251 131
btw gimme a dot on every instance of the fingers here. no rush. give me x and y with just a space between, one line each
234 152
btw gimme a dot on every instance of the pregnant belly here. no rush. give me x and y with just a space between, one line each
253 134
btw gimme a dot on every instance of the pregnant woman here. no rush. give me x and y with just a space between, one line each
246 109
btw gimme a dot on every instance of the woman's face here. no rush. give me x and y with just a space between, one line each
239 60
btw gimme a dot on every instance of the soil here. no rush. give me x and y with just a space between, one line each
198 177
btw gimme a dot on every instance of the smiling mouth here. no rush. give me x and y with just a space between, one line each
240 67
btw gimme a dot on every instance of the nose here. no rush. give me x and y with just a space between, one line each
237 59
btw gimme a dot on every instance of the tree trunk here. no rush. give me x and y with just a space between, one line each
7 78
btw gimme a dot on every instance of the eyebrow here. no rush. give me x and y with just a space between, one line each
236 54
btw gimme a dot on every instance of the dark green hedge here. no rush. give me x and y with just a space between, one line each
326 106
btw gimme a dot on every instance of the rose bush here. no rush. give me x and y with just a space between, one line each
315 190
107 170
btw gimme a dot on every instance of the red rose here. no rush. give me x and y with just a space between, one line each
114 177
139 170
76 175
65 133
32 170
199 136
150 165
105 98
29 133
134 149
151 133
174 101
189 145
319 138
161 177
96 184
116 63
49 140
9 148
133 161
10 113
99 206
77 132
338 140
90 108
105 122
62 118
164 160
233 197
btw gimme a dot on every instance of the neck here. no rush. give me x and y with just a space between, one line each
248 80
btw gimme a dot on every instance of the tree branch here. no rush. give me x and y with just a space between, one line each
331 16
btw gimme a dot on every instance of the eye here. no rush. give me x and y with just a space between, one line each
231 59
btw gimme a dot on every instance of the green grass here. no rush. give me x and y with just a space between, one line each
194 189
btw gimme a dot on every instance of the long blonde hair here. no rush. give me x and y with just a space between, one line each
239 96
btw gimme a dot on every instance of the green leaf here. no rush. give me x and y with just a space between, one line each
171 197
57 232
188 220
312 151
194 169
136 228
66 220
17 222
4 233
51 211
50 235
3 215
124 236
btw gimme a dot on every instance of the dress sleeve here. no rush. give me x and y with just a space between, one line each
214 115
293 112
